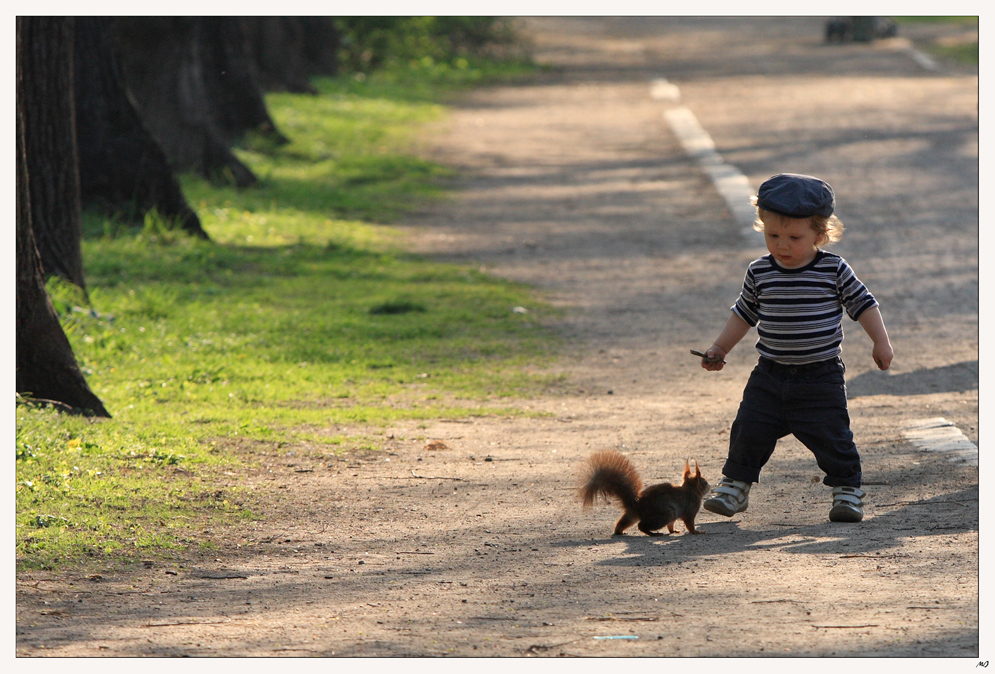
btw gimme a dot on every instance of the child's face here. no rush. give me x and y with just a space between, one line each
792 241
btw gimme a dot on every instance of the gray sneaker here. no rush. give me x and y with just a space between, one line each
848 505
728 497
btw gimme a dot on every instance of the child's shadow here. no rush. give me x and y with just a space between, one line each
876 534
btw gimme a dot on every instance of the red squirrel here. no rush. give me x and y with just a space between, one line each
610 473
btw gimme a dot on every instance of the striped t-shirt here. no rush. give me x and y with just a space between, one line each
799 312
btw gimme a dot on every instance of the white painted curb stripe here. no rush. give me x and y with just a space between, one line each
662 90
733 186
925 62
939 435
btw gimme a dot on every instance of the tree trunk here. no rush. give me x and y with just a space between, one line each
46 368
288 50
50 139
122 168
321 44
164 68
235 95
276 49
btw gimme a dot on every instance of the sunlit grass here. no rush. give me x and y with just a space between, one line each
303 323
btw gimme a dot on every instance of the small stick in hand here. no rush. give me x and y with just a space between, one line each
707 359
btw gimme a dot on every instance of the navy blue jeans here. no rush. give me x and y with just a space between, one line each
807 401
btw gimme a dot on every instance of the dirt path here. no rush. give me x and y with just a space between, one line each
465 538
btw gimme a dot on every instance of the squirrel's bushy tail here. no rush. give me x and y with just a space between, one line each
609 473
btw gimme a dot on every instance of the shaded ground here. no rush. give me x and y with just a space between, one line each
465 537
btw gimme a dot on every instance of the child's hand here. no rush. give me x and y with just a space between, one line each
882 353
714 359
873 325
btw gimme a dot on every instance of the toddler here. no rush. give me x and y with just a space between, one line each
796 296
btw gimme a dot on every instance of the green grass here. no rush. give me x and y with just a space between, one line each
963 52
965 20
427 80
300 327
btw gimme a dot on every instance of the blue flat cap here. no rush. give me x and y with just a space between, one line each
796 196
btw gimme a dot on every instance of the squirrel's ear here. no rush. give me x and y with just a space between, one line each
687 467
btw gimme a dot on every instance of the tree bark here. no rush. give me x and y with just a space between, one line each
236 99
288 50
46 368
321 44
163 60
122 168
50 140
